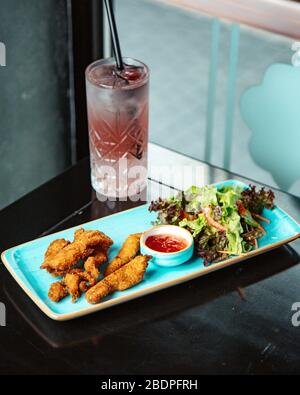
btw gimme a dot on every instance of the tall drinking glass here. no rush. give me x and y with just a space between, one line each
117 103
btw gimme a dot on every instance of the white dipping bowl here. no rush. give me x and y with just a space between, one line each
168 259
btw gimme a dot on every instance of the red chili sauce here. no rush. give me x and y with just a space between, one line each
166 243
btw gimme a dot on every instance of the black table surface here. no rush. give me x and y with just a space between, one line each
237 320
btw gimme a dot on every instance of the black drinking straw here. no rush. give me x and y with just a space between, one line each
114 34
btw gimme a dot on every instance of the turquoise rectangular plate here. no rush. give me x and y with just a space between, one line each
24 261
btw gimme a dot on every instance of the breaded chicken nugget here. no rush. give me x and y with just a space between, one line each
128 251
95 260
74 283
57 291
126 277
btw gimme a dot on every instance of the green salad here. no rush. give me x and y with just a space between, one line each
224 221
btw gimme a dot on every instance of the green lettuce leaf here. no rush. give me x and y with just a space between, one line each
233 234
227 197
200 197
195 226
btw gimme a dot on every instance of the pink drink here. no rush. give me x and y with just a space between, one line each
117 103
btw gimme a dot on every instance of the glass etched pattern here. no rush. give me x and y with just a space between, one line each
118 131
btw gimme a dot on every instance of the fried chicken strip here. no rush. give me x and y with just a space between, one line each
55 247
126 277
83 245
128 251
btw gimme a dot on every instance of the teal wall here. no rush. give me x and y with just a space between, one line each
34 109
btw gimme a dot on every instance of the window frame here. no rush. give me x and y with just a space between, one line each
87 42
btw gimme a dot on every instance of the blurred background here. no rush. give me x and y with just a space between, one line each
224 83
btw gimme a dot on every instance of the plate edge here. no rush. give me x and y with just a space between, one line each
158 287
40 304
